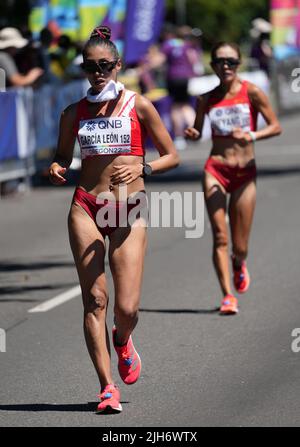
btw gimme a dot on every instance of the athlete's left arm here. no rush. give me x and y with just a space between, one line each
157 131
169 159
262 104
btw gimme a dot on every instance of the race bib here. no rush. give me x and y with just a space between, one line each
225 119
105 136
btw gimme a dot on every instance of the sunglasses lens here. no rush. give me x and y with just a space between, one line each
92 69
106 67
231 62
103 67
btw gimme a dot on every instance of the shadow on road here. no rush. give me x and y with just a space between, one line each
88 407
6 266
183 311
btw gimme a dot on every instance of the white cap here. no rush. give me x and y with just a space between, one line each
11 37
261 25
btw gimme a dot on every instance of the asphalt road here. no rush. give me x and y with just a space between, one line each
199 369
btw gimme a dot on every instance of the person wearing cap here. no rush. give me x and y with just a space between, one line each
261 50
11 40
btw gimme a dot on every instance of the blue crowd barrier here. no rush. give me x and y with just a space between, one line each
8 126
29 121
49 102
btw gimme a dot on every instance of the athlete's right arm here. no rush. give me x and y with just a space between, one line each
195 133
66 140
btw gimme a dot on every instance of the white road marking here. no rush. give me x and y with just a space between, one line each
57 301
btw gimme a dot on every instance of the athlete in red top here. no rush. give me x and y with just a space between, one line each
110 124
232 107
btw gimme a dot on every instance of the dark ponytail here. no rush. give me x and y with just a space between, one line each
101 36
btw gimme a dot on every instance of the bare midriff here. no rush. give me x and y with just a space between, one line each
228 151
96 172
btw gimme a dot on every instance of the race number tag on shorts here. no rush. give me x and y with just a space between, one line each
225 118
105 136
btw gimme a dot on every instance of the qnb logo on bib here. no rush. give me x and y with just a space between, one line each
105 136
225 119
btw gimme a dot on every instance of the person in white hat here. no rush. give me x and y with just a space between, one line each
10 41
261 50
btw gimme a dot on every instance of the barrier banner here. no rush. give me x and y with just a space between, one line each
298 27
64 13
77 18
285 18
143 24
91 14
8 128
25 124
135 24
115 18
49 102
38 16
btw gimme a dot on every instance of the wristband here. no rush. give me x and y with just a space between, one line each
253 136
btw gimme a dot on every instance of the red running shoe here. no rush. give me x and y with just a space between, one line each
241 277
229 305
110 400
130 364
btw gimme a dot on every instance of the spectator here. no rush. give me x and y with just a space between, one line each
10 41
261 50
152 70
63 56
28 57
181 58
194 38
46 39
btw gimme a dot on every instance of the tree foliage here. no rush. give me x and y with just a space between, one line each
221 19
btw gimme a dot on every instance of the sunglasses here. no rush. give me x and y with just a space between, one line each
230 61
100 67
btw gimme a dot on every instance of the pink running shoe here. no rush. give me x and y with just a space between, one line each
241 278
229 305
130 364
110 400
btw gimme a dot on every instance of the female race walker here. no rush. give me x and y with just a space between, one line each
232 107
111 124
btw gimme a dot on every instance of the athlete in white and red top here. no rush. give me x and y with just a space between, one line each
110 124
232 108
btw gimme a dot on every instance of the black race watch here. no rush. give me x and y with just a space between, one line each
147 170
